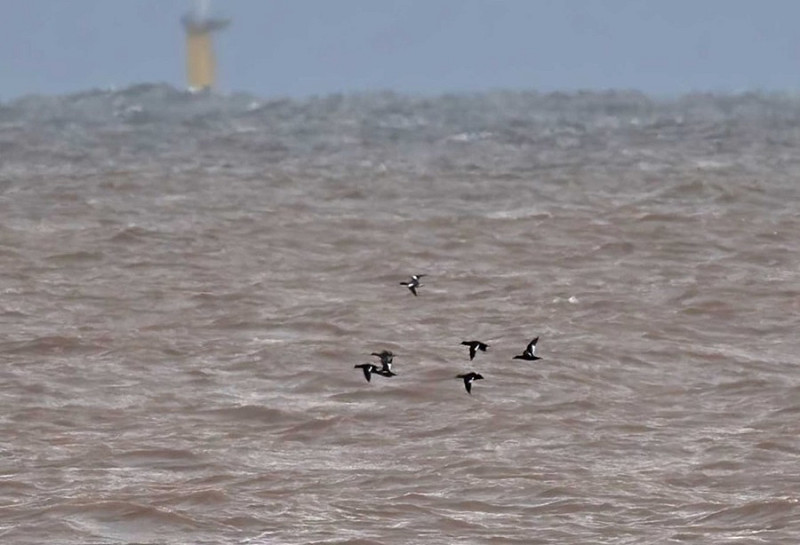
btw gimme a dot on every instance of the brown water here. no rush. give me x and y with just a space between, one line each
179 342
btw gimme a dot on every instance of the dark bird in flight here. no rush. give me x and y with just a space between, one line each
413 284
530 352
468 378
474 346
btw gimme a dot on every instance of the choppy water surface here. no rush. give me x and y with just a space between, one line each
184 299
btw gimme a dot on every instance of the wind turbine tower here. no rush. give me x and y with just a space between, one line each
200 62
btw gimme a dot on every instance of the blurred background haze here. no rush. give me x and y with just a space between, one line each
316 47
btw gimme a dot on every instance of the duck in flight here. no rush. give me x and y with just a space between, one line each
530 352
474 346
413 284
468 379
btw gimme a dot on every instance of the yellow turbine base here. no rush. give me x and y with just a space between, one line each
200 63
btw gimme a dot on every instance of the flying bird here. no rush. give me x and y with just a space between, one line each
413 284
530 352
468 379
474 346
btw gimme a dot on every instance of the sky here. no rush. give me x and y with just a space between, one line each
301 48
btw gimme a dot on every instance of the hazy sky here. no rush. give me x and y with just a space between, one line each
306 47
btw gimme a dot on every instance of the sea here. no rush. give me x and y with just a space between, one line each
188 281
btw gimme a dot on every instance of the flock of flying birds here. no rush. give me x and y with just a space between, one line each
386 356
